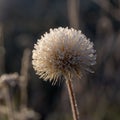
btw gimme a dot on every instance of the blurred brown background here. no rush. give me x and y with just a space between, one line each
22 22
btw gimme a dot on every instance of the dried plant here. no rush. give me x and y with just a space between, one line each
24 77
63 53
8 81
73 13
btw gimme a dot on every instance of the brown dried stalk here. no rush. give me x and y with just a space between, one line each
24 77
73 102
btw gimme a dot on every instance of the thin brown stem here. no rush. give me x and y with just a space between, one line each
24 77
72 99
73 13
8 101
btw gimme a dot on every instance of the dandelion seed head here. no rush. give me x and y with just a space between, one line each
63 51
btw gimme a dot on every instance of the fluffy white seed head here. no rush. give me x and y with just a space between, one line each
63 52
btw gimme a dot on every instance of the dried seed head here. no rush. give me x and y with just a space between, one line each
63 51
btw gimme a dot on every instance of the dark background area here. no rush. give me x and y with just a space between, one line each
22 22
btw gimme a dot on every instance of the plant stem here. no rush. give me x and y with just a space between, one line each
72 99
8 103
24 77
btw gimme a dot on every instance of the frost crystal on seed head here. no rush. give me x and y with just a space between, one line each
62 51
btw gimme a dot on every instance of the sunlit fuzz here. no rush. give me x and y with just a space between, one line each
63 52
